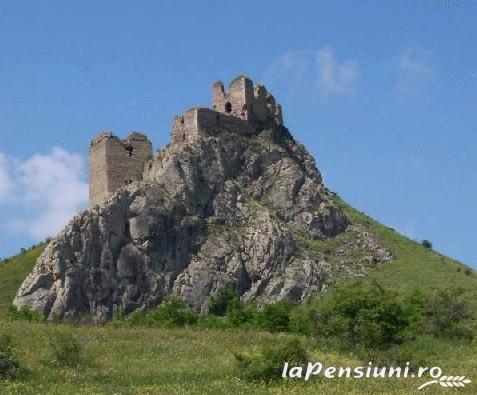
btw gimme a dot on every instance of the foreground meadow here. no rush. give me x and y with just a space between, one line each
186 361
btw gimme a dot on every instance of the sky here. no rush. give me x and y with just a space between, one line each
382 93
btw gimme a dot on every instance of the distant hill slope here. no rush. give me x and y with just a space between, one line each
13 271
414 266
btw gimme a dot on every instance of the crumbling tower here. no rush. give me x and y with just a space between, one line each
114 163
246 101
244 108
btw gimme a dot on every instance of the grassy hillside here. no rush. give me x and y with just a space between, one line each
414 266
12 273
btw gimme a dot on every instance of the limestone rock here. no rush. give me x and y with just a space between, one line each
219 209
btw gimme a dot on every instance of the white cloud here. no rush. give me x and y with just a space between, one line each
5 180
335 78
46 191
415 71
317 72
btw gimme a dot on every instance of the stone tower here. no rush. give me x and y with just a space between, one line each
246 101
114 163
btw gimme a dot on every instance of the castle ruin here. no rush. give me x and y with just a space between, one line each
244 108
114 163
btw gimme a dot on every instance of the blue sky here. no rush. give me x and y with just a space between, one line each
382 93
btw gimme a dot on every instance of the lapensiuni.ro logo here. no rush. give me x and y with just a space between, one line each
434 374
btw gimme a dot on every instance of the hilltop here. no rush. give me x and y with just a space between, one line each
233 199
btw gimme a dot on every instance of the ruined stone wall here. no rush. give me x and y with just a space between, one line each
212 122
114 163
198 122
98 173
184 127
236 101
137 157
246 101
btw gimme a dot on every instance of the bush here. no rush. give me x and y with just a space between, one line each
447 313
173 312
9 364
237 313
23 313
370 321
426 244
221 300
268 364
275 317
366 315
67 349
303 319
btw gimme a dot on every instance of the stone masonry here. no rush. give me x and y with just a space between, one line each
114 163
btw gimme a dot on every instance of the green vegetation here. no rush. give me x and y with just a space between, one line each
268 363
173 312
142 360
13 271
9 364
220 301
414 266
374 324
66 348
427 244
23 313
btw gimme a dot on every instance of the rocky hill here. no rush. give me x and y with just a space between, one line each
242 207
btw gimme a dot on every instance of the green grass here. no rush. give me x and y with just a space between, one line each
186 361
13 272
413 266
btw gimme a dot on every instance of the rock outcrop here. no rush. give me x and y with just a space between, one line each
224 208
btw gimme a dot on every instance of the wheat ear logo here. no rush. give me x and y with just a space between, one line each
448 382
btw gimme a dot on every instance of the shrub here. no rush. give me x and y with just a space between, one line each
173 312
426 244
275 317
448 313
221 300
268 364
9 364
366 315
213 322
67 349
303 319
23 313
237 313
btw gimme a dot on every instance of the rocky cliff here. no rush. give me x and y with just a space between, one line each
249 210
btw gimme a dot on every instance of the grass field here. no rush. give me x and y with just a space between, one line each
184 361
194 361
